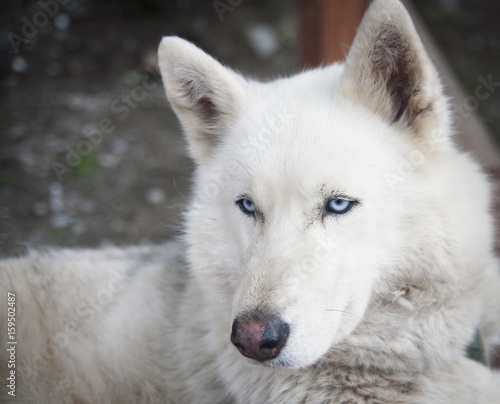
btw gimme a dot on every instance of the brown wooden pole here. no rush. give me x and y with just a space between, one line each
327 28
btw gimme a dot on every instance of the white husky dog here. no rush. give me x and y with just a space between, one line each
338 249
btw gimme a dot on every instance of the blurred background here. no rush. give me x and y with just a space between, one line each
90 151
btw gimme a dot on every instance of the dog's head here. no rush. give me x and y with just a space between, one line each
320 196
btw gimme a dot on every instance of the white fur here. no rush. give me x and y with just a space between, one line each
381 301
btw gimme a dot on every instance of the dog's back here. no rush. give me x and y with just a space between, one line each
91 326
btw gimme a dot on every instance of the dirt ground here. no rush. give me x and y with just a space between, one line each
90 151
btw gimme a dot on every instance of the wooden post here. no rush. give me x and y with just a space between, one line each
327 28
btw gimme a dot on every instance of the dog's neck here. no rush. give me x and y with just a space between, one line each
398 335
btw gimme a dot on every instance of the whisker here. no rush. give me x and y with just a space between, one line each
178 190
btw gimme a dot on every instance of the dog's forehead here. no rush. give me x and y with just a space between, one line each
309 109
301 136
290 150
300 133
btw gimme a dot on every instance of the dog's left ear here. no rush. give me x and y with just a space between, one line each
389 71
205 95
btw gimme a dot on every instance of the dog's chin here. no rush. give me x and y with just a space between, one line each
275 363
279 363
285 361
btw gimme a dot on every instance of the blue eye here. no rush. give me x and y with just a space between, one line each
339 206
246 206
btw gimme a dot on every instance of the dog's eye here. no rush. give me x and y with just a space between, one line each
339 206
246 206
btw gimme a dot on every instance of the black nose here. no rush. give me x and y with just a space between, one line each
259 338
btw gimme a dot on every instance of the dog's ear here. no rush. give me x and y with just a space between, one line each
389 71
205 95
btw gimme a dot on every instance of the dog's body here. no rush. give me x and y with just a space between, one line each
336 238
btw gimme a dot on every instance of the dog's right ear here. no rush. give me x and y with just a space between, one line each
205 95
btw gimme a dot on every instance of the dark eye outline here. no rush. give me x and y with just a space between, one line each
330 211
243 205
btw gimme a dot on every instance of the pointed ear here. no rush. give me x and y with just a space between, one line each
205 95
389 71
